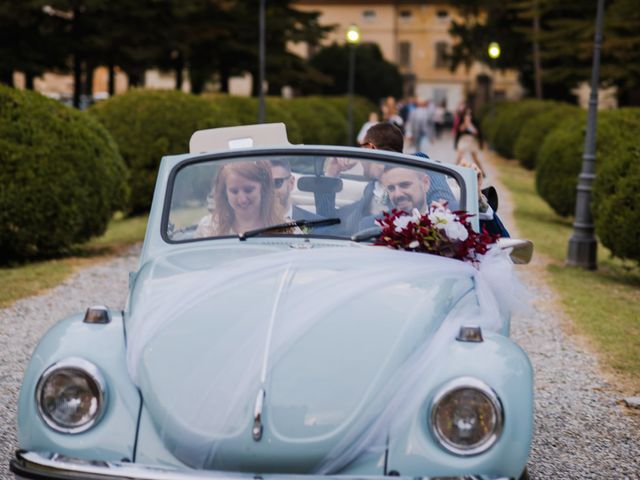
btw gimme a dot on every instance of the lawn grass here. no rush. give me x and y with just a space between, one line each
603 304
35 277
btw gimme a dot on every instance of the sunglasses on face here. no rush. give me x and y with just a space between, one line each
278 182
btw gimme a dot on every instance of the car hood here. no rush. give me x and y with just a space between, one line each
314 337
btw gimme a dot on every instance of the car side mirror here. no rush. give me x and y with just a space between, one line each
320 184
521 250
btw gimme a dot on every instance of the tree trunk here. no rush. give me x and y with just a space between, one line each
536 50
224 79
88 80
6 77
179 68
112 79
77 80
255 84
28 80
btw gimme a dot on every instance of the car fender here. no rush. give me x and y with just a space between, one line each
113 437
504 367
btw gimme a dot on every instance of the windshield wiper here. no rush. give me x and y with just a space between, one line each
366 234
296 223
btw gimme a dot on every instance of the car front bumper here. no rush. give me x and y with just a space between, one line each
36 465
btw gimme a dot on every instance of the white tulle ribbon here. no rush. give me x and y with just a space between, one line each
360 270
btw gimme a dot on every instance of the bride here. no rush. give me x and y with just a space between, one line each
244 200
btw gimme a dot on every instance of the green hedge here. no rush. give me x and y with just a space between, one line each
558 164
616 189
508 121
488 116
535 129
321 122
560 158
61 175
361 109
148 124
245 112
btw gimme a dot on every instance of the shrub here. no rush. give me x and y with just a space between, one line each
489 119
244 110
560 158
616 189
149 124
61 175
535 129
319 122
558 164
361 109
509 120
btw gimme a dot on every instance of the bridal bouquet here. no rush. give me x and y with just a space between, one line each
439 232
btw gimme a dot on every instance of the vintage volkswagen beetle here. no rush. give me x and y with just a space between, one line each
300 350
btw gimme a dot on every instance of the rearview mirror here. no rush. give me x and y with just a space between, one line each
521 250
320 184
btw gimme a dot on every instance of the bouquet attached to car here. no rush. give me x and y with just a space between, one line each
439 231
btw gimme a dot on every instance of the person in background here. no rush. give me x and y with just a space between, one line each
439 117
419 124
468 139
373 119
390 113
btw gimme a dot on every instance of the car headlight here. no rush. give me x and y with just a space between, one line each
71 395
466 416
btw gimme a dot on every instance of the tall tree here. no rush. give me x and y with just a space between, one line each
550 42
375 78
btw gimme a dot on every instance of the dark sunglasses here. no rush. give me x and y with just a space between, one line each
278 182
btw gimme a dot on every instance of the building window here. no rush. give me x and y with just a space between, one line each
442 14
405 15
442 49
369 15
404 54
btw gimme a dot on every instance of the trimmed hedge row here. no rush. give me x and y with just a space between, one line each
508 123
149 124
61 175
552 139
616 189
535 129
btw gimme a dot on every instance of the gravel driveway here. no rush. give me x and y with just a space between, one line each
580 431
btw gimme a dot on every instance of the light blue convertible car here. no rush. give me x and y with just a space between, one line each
266 335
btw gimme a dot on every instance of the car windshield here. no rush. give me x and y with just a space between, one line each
221 198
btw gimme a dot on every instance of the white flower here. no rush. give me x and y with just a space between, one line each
443 219
456 231
414 244
404 220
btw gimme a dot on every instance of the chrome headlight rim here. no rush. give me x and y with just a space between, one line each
84 367
459 384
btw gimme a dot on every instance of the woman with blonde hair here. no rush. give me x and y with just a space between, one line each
243 200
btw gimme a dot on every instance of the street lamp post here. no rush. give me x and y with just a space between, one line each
494 54
261 54
583 247
353 37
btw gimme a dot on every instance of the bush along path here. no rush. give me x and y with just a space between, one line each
581 429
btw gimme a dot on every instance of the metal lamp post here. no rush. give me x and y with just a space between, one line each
261 55
353 38
583 246
494 53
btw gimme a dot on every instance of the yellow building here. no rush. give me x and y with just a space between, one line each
413 34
